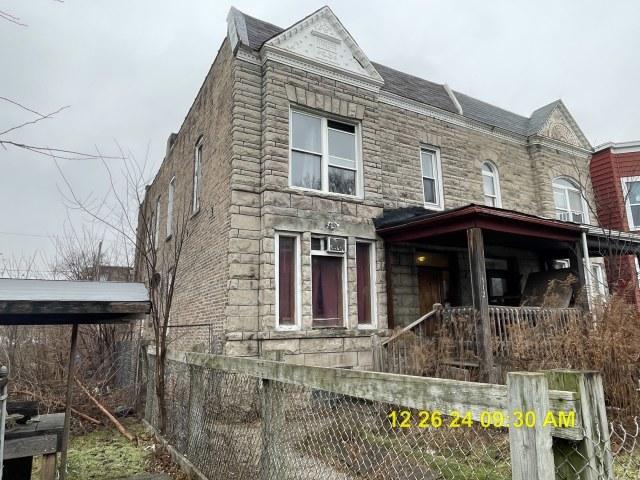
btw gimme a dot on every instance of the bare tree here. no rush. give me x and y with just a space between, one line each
132 218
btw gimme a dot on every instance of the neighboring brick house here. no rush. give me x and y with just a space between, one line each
333 197
615 170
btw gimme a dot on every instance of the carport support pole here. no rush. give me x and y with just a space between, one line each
67 411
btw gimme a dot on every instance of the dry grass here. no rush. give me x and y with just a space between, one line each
607 341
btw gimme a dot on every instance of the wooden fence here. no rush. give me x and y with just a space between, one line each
532 447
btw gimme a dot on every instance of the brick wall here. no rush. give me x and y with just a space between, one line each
202 273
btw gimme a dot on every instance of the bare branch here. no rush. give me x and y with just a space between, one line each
32 122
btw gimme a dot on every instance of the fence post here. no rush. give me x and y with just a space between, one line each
376 348
531 446
590 458
272 415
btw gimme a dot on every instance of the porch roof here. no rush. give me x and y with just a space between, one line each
406 224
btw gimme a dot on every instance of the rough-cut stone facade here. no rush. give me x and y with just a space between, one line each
227 276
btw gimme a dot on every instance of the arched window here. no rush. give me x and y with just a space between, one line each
569 201
491 185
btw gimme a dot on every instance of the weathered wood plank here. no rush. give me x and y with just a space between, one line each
48 467
530 446
421 393
592 455
30 446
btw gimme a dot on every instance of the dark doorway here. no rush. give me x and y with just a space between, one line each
432 287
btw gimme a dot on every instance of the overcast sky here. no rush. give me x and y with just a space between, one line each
129 71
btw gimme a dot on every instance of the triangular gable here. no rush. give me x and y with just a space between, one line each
322 38
556 122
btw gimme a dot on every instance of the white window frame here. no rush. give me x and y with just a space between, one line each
627 203
156 227
197 175
298 281
374 298
577 188
324 155
495 178
599 284
637 263
170 200
439 190
345 283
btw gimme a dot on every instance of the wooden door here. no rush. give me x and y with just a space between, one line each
430 283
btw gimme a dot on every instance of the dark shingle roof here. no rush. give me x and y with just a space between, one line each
492 115
415 88
539 117
259 31
424 91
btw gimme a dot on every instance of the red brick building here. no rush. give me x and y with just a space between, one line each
615 176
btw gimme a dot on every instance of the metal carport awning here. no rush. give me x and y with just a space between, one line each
62 302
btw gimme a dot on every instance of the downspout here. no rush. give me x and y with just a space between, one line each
587 267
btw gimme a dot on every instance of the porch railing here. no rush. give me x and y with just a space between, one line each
397 354
447 336
503 319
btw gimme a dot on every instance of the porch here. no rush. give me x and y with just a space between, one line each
477 272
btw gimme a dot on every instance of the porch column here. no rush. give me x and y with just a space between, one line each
577 259
388 262
480 296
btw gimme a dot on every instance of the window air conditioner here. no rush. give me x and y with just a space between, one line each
336 245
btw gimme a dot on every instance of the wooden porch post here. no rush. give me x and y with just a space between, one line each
577 258
389 284
475 244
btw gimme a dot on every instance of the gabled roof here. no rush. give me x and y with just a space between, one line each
259 32
254 33
540 116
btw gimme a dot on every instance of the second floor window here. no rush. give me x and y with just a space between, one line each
569 201
156 231
197 175
631 192
491 185
431 178
324 154
170 194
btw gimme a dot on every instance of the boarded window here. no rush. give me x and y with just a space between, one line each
363 282
287 280
327 291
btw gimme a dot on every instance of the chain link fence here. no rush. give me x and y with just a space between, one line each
615 455
235 426
239 426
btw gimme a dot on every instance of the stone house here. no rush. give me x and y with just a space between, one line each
332 198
